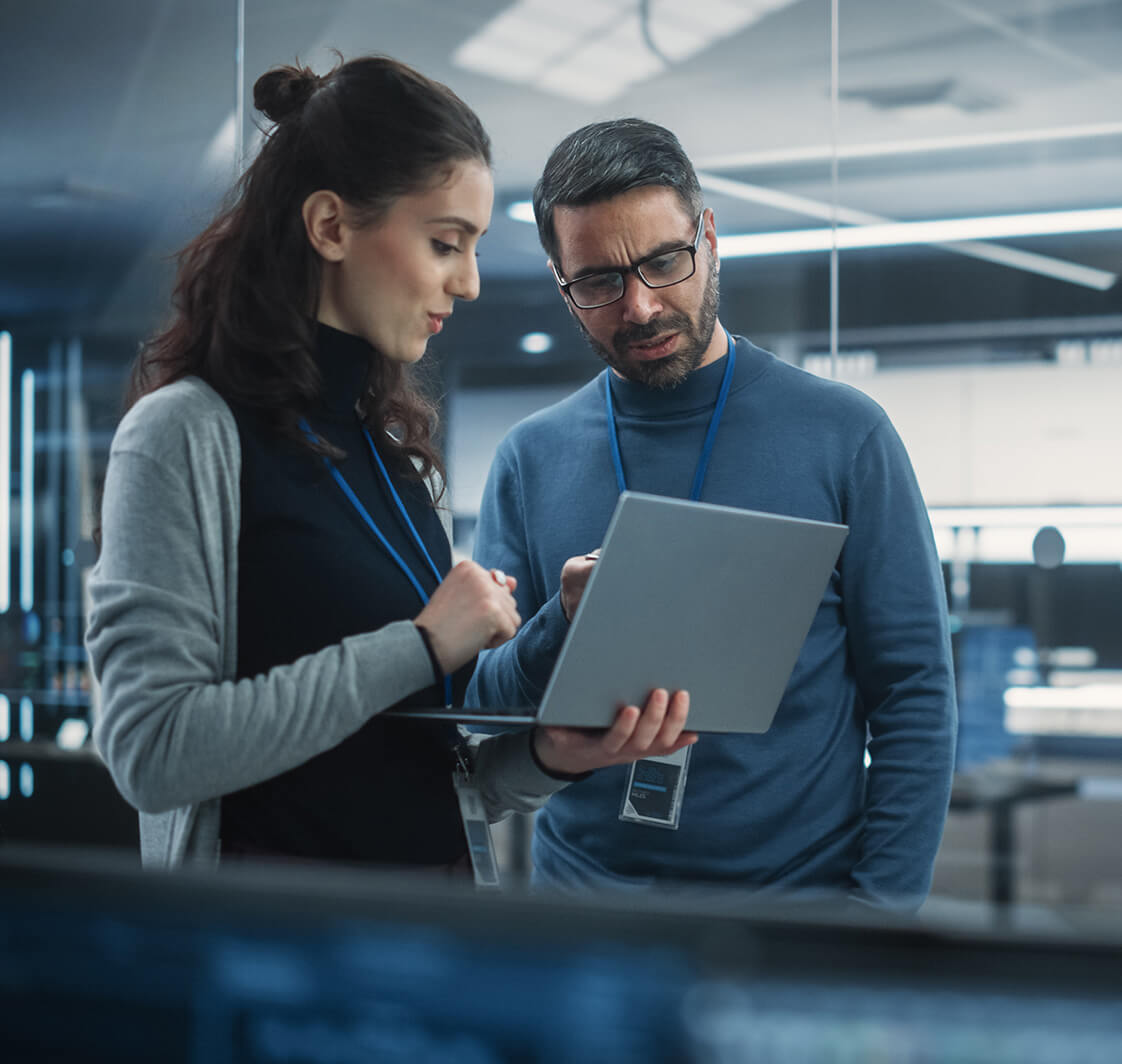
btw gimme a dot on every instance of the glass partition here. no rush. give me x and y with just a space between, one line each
979 161
918 199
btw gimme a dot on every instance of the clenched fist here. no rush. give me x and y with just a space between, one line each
473 609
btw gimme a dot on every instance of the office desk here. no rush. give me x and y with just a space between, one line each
998 792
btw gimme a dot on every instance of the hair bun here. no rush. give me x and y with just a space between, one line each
284 90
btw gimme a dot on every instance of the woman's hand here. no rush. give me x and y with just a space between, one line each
473 609
654 731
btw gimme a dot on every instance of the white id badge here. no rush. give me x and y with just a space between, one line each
654 790
477 831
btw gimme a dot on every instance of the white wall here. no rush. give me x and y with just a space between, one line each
477 420
984 435
1008 433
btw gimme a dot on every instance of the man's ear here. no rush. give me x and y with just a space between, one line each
324 222
709 235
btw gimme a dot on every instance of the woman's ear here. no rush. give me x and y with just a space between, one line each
324 223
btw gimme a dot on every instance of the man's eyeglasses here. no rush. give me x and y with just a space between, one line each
660 270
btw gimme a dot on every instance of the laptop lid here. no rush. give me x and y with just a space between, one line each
712 599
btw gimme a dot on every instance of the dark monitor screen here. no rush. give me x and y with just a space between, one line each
1072 606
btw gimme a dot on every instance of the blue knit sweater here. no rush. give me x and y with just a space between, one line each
793 809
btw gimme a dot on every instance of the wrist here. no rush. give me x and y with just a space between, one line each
537 736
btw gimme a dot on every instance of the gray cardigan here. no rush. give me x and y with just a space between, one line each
177 731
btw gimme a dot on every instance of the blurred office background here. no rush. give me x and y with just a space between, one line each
964 155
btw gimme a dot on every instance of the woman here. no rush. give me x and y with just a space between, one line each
273 571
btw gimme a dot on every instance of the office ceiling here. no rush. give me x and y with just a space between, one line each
116 137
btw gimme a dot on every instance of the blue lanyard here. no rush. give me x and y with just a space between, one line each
710 435
370 523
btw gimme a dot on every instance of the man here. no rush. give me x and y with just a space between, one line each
796 809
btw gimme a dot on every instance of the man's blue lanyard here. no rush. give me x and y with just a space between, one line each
365 515
710 435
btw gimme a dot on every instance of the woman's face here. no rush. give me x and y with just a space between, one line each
396 281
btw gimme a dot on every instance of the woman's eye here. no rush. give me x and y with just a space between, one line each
442 248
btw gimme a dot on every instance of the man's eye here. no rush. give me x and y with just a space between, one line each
663 265
605 282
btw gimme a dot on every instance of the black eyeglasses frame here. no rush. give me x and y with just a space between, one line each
637 269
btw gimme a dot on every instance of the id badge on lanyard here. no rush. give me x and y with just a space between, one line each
477 829
654 790
655 785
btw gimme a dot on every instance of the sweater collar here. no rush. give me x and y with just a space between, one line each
343 361
697 392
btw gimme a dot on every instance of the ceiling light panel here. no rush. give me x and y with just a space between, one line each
676 34
603 68
593 50
1045 223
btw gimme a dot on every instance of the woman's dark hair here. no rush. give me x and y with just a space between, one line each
606 159
371 130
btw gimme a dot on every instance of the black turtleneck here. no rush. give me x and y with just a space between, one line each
311 573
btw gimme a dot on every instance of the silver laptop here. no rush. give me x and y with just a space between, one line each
686 595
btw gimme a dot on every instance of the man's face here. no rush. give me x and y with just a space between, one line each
654 336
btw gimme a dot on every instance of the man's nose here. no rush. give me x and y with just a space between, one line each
639 303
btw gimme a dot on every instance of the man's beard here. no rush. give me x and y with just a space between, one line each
664 373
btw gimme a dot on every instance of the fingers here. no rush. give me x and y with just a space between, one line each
506 619
621 731
650 723
506 627
504 580
654 731
674 720
658 728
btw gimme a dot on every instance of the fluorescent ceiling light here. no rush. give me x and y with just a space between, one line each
5 470
917 145
72 734
1013 546
1092 534
1024 516
536 343
1100 722
27 491
1090 696
944 230
521 211
593 50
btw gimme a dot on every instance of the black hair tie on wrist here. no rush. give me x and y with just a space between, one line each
437 671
